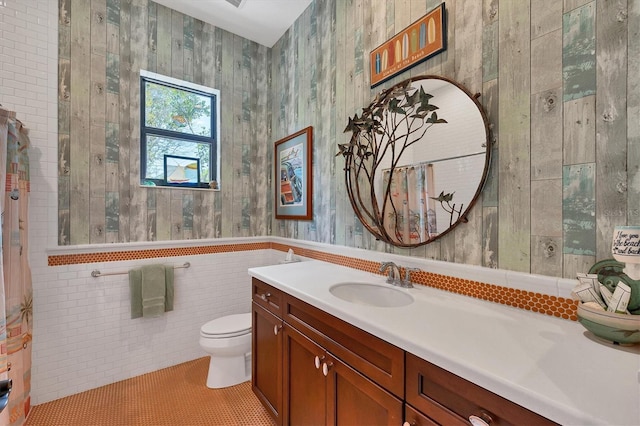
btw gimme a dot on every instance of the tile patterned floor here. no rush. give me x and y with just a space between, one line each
173 396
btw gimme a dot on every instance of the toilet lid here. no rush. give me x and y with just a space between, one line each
227 326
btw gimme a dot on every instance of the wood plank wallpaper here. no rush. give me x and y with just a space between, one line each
103 44
558 80
561 94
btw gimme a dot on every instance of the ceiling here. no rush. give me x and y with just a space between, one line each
262 21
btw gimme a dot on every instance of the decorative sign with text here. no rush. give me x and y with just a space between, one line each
626 241
421 40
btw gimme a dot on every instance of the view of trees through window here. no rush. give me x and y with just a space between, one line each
178 124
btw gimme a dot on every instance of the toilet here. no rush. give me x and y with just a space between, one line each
228 341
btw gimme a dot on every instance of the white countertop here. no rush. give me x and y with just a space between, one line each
546 364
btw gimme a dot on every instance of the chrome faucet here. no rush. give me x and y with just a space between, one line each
407 283
393 276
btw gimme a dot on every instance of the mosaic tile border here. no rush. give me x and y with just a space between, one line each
536 302
119 256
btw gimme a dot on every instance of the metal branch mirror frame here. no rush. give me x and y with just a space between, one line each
417 160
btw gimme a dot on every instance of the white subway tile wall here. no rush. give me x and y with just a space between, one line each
87 339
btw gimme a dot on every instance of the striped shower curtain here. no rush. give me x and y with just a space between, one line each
410 211
16 321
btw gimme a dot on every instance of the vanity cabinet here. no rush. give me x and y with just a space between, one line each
310 367
448 399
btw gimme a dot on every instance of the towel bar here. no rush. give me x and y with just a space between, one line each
96 273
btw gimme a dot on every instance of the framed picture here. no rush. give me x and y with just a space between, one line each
418 42
181 171
293 175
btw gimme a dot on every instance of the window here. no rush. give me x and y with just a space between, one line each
179 133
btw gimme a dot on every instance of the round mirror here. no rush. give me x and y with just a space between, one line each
417 160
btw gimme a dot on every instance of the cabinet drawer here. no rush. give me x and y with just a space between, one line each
444 397
376 359
266 296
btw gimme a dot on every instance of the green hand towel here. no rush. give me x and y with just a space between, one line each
153 290
135 292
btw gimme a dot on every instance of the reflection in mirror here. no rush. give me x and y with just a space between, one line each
417 160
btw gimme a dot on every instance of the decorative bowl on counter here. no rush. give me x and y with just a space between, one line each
623 329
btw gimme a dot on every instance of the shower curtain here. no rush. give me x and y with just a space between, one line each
16 320
410 211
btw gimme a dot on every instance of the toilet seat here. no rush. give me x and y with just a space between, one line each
227 326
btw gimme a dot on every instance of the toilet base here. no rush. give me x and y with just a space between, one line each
225 371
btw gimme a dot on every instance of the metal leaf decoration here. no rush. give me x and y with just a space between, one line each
397 118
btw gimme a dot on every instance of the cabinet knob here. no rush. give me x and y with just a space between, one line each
483 419
276 329
318 360
326 367
409 424
265 296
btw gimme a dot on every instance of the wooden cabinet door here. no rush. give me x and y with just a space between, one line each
352 399
266 360
305 387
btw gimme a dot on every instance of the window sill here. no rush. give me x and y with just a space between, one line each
190 188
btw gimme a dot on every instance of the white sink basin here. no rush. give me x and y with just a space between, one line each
383 296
